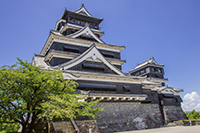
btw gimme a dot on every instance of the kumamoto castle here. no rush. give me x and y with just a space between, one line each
135 100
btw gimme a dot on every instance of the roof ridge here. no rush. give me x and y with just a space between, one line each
147 61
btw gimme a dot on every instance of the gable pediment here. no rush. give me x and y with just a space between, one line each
94 54
83 13
168 90
85 31
82 10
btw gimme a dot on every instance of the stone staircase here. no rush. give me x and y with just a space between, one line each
64 127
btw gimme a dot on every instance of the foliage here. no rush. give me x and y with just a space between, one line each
193 115
27 93
67 106
8 127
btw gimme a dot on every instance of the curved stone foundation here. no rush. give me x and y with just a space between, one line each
173 113
126 116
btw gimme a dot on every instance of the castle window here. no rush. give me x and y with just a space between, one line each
90 25
126 88
98 88
142 72
156 70
60 25
97 35
87 38
96 26
77 21
168 95
178 99
107 54
83 23
93 67
71 20
137 74
70 49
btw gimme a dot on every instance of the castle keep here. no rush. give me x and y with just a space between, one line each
138 99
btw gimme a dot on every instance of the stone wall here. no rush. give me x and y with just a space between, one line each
63 127
125 116
173 113
153 111
85 125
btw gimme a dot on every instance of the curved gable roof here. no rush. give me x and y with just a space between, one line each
82 10
166 89
150 61
85 30
91 52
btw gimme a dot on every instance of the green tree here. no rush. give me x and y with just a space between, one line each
28 93
10 126
193 115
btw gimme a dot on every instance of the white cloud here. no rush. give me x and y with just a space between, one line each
191 101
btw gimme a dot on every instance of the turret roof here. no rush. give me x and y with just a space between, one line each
57 36
151 62
82 11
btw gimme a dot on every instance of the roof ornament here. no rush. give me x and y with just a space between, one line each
82 4
93 44
94 57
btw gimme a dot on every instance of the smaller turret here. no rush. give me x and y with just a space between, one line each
149 68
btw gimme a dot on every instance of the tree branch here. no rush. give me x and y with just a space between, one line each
27 118
37 103
13 105
7 122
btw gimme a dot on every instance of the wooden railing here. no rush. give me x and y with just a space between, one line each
75 126
54 131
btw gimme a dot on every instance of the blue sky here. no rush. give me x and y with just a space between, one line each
167 30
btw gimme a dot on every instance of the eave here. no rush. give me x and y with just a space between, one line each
69 13
59 38
168 90
146 65
71 26
57 23
69 55
157 79
89 76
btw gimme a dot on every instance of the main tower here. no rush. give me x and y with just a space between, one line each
135 100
